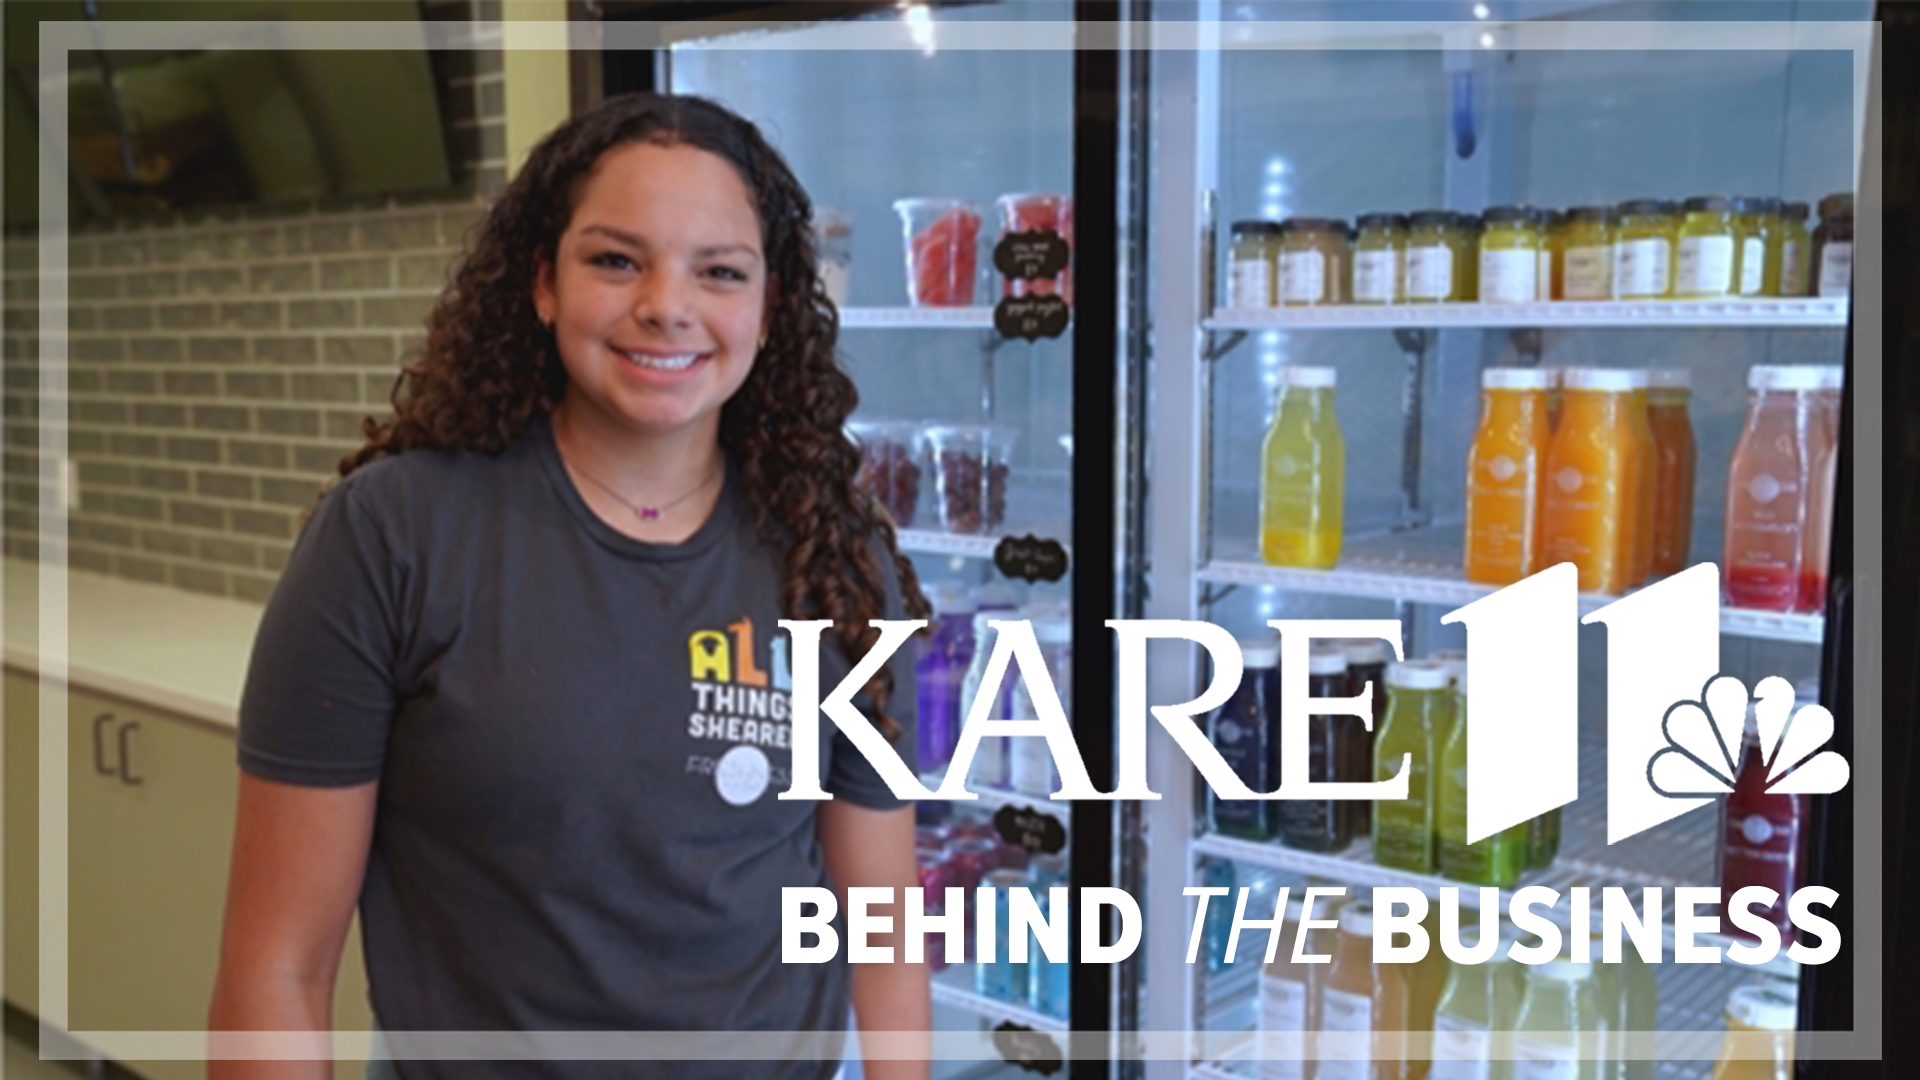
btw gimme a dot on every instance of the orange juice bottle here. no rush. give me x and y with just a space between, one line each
1360 996
1673 452
1587 514
1287 997
1505 466
1640 554
1760 1020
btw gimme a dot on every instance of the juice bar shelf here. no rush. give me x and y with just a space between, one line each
1422 566
1753 312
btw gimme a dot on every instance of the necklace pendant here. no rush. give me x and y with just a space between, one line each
648 513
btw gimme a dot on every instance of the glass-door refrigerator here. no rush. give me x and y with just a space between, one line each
940 148
1416 268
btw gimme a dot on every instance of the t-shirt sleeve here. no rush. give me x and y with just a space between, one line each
321 686
849 775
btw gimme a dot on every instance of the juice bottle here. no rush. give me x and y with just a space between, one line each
1758 1016
1287 998
1419 705
1823 444
1366 666
1495 860
1473 1023
1543 839
1592 488
1645 472
1673 455
1246 732
1325 825
1425 981
1610 1012
1360 996
1455 661
1554 1038
1767 490
1505 467
1556 383
1640 990
1303 487
1762 837
939 673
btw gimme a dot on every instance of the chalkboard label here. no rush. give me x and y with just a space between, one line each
1031 256
1029 1049
1030 317
1030 558
1038 832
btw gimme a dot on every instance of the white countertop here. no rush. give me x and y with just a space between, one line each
177 651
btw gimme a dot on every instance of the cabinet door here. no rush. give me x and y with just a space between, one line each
102 916
23 841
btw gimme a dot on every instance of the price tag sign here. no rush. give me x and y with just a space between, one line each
1031 1050
1031 256
1030 558
1036 831
1030 317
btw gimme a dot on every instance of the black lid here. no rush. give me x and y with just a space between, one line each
1381 221
1433 217
1509 213
1319 224
1839 204
1641 208
1257 228
1590 213
1471 221
1709 204
1794 210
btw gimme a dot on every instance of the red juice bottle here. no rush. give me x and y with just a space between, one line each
1763 838
1823 455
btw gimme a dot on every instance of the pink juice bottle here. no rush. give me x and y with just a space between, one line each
1823 457
1767 505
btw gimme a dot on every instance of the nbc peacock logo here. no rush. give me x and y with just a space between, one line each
1708 741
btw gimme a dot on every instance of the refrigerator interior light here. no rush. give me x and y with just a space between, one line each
1482 11
919 20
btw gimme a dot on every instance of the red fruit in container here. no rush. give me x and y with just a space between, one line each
890 466
943 250
1039 213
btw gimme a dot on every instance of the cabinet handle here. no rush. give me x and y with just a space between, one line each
126 756
100 745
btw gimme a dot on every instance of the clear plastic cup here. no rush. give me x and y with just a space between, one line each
970 472
890 465
943 251
1039 213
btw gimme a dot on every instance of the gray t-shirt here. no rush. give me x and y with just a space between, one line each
579 739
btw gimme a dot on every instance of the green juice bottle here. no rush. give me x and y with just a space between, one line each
1473 1026
1558 1035
1303 478
1495 860
1419 707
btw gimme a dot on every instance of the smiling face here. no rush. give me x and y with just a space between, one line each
657 291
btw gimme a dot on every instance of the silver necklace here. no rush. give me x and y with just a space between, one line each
644 513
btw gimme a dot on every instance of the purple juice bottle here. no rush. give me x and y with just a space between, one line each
942 667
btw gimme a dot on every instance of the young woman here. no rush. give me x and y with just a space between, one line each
521 695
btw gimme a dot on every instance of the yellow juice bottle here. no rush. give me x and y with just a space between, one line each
1759 1044
1592 491
1473 1025
1303 485
1557 1035
1494 860
1505 467
1419 711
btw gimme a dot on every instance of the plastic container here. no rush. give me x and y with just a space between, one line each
1506 465
1366 666
1645 237
1763 838
1558 1033
1419 709
1673 469
1494 860
1038 213
1360 997
1048 983
1758 1016
1756 227
943 251
1796 250
1245 730
1592 483
1001 979
1380 259
833 245
1315 262
1031 768
990 763
1833 248
1253 275
890 465
1473 1023
1767 497
1287 998
970 471
1510 248
1709 263
1327 824
1583 259
1303 484
940 673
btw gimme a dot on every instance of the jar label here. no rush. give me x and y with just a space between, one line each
1303 277
1461 1050
1283 1007
1640 268
1542 1061
1836 269
1753 259
1508 277
1543 276
1341 1011
1376 277
1793 279
1706 266
1586 273
1250 287
1430 273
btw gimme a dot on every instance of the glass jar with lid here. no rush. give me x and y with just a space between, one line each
1252 265
1756 229
1709 263
1583 260
1314 261
1467 254
1833 247
1509 256
1380 259
1796 250
1434 270
1552 225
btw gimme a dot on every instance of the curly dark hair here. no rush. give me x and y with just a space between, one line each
488 368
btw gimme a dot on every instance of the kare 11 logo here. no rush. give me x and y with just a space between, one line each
1678 731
